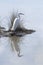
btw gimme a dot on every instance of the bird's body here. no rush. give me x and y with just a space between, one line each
15 24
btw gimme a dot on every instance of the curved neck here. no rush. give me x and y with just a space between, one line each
13 26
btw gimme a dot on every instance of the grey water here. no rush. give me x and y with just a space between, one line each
27 50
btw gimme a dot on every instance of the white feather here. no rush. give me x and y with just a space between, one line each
16 22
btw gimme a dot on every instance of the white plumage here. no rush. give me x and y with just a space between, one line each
16 22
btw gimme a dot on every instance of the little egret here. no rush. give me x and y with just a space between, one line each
16 22
18 29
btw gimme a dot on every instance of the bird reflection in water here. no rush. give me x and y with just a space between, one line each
15 45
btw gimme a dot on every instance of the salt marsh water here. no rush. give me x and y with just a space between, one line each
29 46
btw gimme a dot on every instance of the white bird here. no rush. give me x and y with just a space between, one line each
16 22
17 27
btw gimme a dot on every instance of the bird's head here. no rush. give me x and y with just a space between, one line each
20 14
